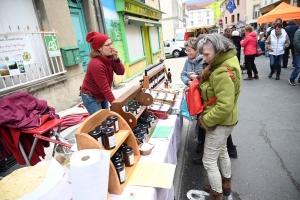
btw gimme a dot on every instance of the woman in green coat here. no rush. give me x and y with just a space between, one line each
220 117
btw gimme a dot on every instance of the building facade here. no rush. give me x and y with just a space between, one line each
198 15
268 5
239 14
252 12
172 17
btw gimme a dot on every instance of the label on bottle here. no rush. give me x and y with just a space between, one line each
122 175
131 159
117 125
100 140
112 141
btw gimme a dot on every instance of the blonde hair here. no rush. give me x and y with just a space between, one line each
94 54
248 29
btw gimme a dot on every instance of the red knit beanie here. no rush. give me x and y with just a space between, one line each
96 39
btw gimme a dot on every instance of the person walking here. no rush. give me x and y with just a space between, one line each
236 39
276 43
219 118
96 87
295 73
290 29
249 44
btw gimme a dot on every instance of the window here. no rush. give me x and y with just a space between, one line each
199 14
265 2
134 41
256 12
237 2
238 17
207 22
192 23
225 20
232 18
207 13
153 31
191 15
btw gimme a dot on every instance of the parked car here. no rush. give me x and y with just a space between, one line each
172 48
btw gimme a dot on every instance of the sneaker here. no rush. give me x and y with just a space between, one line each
292 83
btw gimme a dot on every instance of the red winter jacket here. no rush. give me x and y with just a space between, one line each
99 77
249 43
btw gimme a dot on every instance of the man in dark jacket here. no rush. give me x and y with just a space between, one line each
290 29
295 73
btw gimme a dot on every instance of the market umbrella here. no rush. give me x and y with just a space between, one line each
284 11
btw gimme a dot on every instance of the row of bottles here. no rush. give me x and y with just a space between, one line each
154 68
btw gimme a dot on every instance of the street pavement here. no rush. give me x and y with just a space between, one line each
267 138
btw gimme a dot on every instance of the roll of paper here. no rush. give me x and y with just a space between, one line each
89 174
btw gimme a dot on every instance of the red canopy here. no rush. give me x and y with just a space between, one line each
284 11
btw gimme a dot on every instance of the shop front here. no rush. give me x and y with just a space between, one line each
135 30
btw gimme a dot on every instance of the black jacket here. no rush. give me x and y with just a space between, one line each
236 41
291 30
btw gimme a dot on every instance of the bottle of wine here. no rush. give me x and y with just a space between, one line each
169 76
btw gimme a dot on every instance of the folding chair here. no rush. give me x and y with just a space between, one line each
47 126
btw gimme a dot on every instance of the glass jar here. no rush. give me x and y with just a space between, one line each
128 156
146 120
109 124
143 126
116 159
135 129
140 137
114 118
124 145
97 135
138 107
109 139
120 168
132 110
144 132
152 117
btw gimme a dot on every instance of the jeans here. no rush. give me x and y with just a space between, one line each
92 105
296 71
250 65
215 149
275 63
286 56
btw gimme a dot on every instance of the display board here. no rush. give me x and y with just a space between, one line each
134 42
154 38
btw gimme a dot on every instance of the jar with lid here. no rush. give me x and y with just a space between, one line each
152 117
109 124
116 159
124 145
128 156
132 110
144 132
143 126
140 137
114 118
138 107
135 129
97 135
109 139
120 168
146 120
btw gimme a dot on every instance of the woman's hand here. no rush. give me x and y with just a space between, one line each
114 53
192 75
187 88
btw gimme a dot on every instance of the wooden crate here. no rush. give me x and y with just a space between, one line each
155 74
125 134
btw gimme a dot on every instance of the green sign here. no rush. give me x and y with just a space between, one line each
52 45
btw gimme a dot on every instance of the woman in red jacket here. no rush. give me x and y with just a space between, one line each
96 87
249 44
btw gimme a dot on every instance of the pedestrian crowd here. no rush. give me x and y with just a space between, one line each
214 59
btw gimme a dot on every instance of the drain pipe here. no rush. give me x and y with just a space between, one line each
100 16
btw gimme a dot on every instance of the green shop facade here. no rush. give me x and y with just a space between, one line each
136 34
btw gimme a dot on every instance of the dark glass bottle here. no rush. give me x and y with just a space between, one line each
169 76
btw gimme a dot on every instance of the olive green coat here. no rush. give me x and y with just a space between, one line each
216 81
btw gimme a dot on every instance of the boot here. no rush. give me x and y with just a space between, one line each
215 196
226 186
277 76
271 74
256 76
232 152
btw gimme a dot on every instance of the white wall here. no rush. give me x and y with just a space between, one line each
168 30
200 17
264 3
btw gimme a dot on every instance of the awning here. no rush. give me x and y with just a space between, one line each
194 28
140 21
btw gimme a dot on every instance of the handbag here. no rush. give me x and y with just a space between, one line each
184 111
259 52
193 96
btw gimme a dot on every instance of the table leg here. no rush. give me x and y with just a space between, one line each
24 154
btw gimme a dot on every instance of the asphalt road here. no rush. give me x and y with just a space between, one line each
267 138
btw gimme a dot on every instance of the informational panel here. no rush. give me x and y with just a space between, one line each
52 45
15 52
134 42
154 38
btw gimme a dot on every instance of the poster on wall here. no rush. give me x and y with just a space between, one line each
52 45
15 52
113 26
